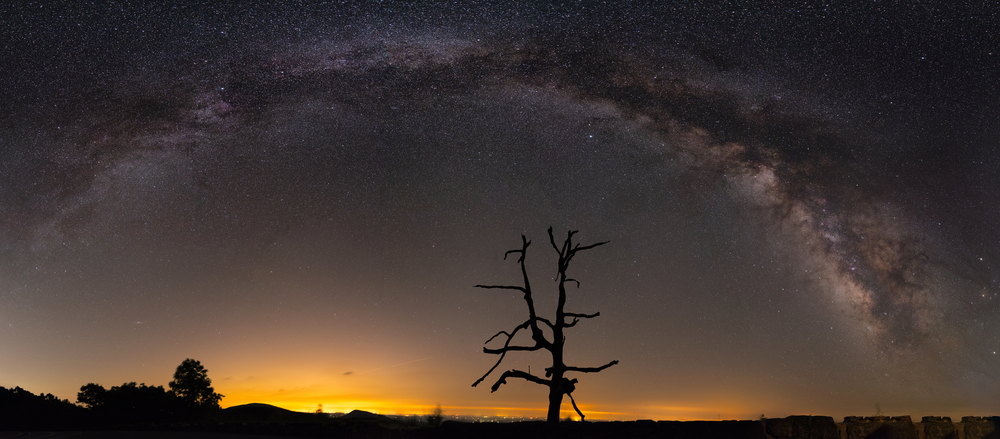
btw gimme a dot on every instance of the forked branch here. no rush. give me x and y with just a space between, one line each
502 352
568 250
576 318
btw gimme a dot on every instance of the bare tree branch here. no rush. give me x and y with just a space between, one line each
580 248
590 369
545 321
570 395
552 240
513 373
582 316
501 287
503 352
521 326
576 318
499 334
506 349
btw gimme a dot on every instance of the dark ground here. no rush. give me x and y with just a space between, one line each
792 427
129 435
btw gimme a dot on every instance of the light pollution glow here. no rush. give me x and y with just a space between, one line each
306 213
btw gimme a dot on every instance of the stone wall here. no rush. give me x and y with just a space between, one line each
801 427
937 427
980 427
881 427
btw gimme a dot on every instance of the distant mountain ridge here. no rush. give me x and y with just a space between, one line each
260 412
255 406
362 415
267 413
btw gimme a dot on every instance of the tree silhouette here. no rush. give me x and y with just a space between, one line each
128 404
192 386
191 398
92 395
555 378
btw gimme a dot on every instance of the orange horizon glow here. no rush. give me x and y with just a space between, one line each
415 385
592 412
384 408
656 413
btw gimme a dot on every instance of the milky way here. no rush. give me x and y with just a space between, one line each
789 227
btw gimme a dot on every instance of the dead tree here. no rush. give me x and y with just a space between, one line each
555 377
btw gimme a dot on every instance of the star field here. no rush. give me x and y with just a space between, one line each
799 199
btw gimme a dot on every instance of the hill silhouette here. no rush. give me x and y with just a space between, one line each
361 415
266 413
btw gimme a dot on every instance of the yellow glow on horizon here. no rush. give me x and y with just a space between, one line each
409 385
391 408
310 404
308 400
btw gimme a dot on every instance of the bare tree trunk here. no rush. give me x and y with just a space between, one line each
558 385
555 402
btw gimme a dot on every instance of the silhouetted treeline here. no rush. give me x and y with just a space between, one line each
23 410
130 404
191 399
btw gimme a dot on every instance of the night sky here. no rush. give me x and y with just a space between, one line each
800 198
